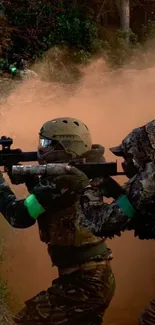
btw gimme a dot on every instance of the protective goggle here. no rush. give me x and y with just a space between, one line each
44 143
48 144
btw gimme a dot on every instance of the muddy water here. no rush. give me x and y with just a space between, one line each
111 105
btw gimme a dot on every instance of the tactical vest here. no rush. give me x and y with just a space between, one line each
68 243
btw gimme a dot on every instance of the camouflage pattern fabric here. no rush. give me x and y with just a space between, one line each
108 219
100 218
59 227
79 298
147 317
140 143
141 192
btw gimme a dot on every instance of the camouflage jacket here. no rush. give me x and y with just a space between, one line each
69 243
109 220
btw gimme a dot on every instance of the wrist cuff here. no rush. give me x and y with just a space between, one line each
35 209
126 206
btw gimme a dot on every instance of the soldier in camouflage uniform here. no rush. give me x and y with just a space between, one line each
134 209
86 284
134 206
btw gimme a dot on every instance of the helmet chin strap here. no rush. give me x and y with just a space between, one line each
68 151
56 156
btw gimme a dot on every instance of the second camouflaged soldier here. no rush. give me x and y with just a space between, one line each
86 285
134 205
134 209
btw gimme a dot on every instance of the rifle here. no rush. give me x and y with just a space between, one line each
92 170
12 157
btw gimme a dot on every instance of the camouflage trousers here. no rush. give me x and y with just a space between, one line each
79 298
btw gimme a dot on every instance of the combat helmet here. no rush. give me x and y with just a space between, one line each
62 139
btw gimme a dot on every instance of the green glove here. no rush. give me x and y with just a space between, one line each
73 181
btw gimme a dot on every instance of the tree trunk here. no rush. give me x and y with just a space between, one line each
125 17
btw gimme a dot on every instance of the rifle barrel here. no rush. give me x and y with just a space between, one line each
92 170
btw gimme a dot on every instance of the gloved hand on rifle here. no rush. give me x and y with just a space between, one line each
73 181
108 187
77 181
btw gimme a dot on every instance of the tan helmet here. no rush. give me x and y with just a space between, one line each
72 134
